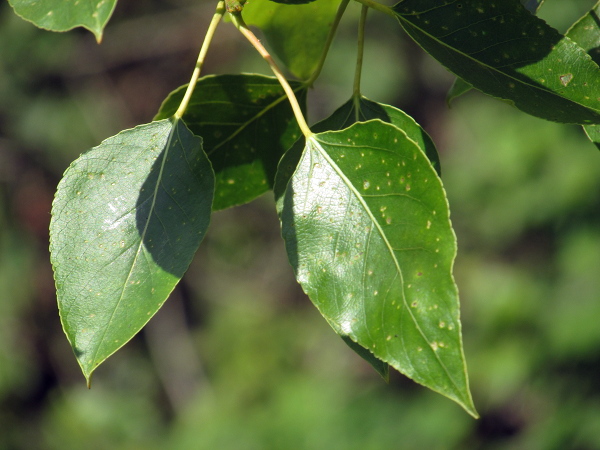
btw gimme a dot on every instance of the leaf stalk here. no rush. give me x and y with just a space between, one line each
330 36
219 12
239 23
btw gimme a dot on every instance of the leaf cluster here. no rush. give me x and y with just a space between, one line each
363 210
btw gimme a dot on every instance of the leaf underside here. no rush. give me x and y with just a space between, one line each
365 221
61 15
126 221
247 124
505 51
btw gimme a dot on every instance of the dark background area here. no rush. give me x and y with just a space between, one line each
239 358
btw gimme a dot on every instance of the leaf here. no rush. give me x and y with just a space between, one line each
460 86
363 109
365 221
292 2
126 221
586 33
532 5
61 15
296 34
247 124
504 51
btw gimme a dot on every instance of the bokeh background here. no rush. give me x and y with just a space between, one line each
239 358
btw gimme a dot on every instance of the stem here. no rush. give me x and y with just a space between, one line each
378 6
239 23
200 62
330 36
359 59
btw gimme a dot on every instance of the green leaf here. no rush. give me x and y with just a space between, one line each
61 15
126 221
586 33
363 109
292 2
247 124
532 5
366 226
458 88
296 34
504 51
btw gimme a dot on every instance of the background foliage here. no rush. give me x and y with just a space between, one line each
239 358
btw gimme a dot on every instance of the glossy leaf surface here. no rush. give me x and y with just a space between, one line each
503 50
247 124
364 109
365 221
61 15
296 34
126 221
586 33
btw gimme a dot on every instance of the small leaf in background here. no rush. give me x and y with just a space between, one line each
586 33
61 15
503 50
458 88
296 34
127 219
247 124
365 221
532 5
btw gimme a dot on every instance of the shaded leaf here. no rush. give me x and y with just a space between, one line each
365 221
296 34
247 124
586 33
61 15
126 221
504 51
460 86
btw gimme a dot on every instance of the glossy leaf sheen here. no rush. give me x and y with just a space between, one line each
365 221
61 15
296 34
505 51
586 33
247 124
126 221
364 109
460 86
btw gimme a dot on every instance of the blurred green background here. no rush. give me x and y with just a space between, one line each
239 358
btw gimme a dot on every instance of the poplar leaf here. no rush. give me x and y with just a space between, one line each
61 15
586 33
366 226
126 221
297 33
503 50
247 124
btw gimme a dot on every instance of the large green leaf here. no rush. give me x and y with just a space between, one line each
126 221
505 51
297 33
247 124
61 15
366 226
460 86
586 32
